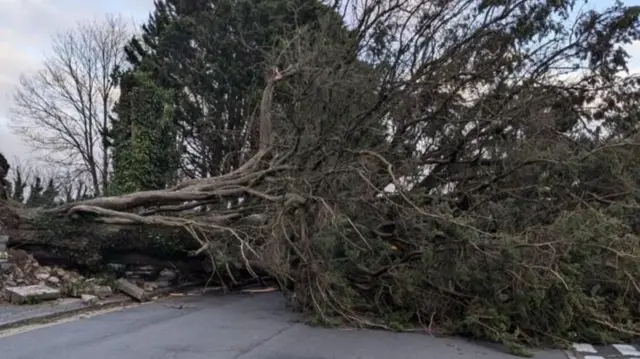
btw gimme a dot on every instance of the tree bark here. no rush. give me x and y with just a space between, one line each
83 244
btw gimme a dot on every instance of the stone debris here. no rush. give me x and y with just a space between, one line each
100 291
42 276
149 287
31 294
132 290
22 278
117 267
4 256
162 283
167 274
22 270
140 274
89 299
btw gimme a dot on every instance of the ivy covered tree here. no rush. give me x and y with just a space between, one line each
145 153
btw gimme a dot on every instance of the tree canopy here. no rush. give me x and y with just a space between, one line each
210 59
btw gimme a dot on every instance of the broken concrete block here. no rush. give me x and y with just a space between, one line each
132 290
167 274
102 291
89 299
162 283
31 294
148 287
117 268
4 255
43 276
6 267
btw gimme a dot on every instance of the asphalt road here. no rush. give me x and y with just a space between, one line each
227 327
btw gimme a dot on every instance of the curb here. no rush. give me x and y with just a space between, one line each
44 318
61 313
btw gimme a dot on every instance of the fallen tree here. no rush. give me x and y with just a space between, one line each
490 211
76 244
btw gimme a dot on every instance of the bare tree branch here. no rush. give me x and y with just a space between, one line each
63 109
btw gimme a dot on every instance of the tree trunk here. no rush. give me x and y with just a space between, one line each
80 243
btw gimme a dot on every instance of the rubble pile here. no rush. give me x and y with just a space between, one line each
21 276
143 282
22 270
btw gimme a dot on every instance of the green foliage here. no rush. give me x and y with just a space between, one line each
17 187
144 137
210 57
40 196
519 225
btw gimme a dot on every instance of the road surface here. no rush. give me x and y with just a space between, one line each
227 327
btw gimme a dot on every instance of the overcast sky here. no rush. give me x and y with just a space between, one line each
26 27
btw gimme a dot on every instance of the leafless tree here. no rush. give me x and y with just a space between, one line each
63 108
72 187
